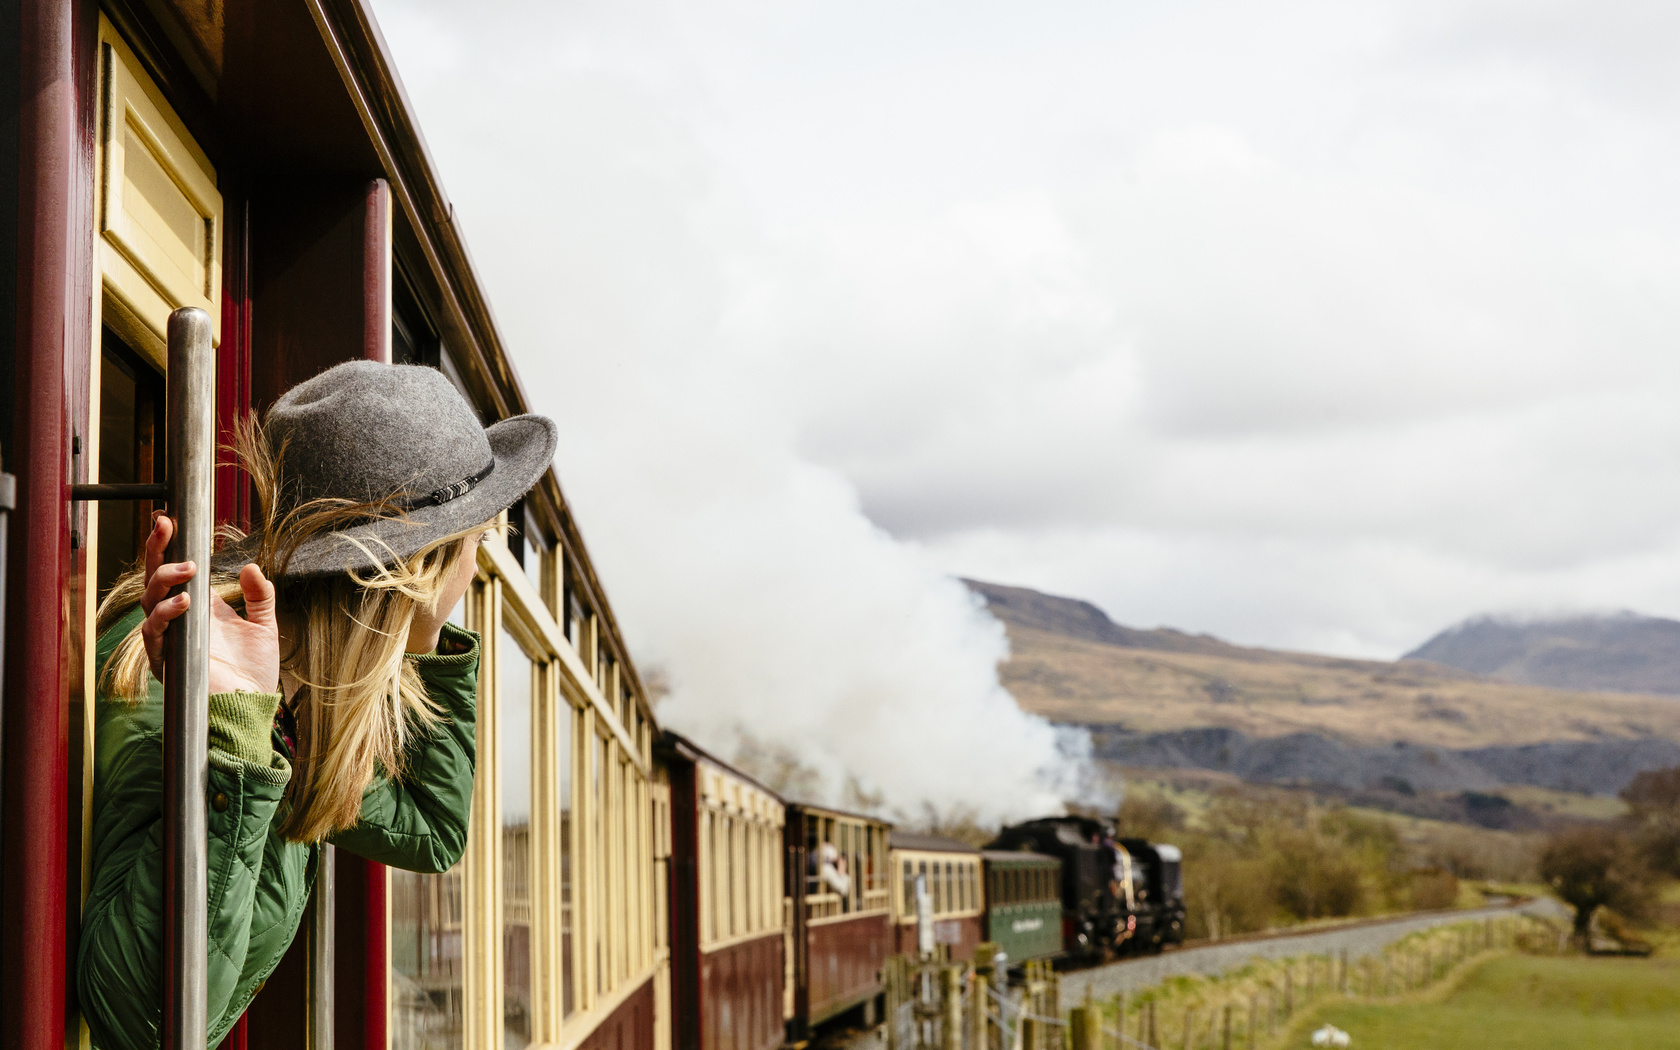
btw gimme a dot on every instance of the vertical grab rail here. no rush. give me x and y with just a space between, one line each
323 919
191 430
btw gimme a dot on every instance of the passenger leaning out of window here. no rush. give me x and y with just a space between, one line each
342 705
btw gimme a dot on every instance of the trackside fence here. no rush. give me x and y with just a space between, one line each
936 1004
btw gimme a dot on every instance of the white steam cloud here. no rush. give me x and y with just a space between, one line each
632 291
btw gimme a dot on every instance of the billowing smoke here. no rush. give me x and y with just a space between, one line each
637 298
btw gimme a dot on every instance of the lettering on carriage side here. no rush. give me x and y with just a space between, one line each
1026 925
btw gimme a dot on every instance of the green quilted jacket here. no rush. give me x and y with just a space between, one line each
259 883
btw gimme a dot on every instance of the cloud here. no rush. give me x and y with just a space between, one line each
1310 324
628 282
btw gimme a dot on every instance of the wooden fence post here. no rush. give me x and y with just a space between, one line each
1253 1017
1084 1029
890 979
951 1011
1153 1040
1189 1026
1288 991
1226 1042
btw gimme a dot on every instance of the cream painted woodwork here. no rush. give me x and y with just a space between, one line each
740 860
481 948
618 832
159 212
961 900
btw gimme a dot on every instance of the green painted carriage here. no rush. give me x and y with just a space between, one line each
1023 904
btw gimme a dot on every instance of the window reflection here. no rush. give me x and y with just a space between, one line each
513 733
426 976
564 723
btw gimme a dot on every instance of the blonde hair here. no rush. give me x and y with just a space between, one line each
358 701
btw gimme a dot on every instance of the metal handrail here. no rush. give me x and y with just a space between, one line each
191 429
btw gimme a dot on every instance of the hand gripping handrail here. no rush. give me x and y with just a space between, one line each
190 430
190 427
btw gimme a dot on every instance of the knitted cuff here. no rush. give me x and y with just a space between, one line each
457 647
242 724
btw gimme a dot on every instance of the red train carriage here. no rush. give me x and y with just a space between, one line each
727 910
256 159
841 907
949 872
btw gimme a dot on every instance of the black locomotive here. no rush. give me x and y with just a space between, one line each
1119 896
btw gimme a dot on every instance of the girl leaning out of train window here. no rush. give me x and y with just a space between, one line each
341 703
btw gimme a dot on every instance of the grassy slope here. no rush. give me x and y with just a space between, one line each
1533 1004
1267 693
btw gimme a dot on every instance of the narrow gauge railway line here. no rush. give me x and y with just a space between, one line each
1212 958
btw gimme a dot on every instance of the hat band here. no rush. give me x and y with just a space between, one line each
438 497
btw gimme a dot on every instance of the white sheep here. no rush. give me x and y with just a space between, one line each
1332 1036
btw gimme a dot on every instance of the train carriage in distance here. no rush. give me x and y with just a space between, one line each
840 903
728 923
950 871
1023 904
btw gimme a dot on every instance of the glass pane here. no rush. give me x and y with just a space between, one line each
533 562
513 733
128 417
426 978
598 854
564 724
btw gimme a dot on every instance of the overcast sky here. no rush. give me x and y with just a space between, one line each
1314 325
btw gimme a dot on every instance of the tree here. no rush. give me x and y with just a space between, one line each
1596 867
1653 799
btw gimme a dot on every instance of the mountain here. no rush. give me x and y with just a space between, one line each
1072 618
1600 767
1300 717
1625 652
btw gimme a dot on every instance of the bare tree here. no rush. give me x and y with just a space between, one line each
1596 867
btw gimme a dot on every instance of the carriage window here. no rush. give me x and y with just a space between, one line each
565 724
598 855
427 991
515 672
909 889
130 424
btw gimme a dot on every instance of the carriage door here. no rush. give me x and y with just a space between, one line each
158 247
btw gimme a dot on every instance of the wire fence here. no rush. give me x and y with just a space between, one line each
936 1004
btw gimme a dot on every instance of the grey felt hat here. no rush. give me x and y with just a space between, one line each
365 431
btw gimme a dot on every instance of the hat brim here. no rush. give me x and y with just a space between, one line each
523 447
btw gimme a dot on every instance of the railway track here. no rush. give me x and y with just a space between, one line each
1210 959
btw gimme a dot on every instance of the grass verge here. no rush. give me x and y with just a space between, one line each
1519 1001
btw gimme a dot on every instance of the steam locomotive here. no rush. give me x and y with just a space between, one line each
1120 896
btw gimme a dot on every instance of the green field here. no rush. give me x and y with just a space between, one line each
1532 1004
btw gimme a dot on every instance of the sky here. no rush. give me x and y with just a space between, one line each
1308 325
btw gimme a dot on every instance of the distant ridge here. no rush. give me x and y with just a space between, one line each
1601 767
1313 717
1074 618
1623 652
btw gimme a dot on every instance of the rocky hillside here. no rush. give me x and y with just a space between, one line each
1298 717
1625 652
